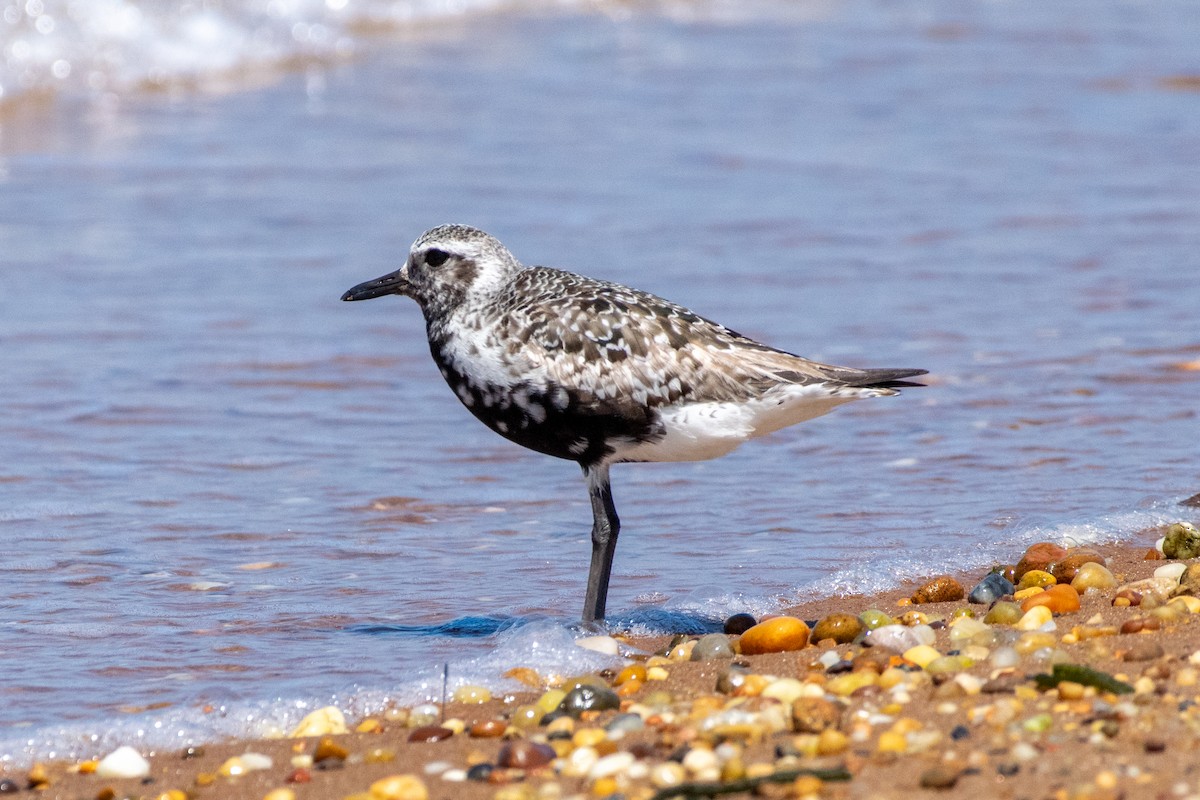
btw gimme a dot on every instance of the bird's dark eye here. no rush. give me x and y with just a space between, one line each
435 258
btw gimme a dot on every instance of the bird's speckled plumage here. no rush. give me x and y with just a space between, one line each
600 373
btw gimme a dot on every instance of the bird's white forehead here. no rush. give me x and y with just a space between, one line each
466 243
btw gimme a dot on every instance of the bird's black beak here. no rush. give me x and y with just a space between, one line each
392 283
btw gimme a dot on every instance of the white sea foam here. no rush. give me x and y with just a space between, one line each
549 647
98 47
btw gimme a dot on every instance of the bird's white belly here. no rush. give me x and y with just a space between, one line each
700 431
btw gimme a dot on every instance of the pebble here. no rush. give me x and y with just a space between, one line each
873 618
633 672
1060 599
1182 541
472 695
776 635
898 638
1189 582
427 733
124 762
841 628
1143 650
940 776
1066 568
1172 571
667 774
327 721
1035 618
612 764
738 624
488 729
922 655
1091 576
1003 613
247 762
991 588
599 644
1038 556
712 647
732 679
329 750
589 698
1035 579
942 589
1156 590
399 787
815 714
625 723
524 754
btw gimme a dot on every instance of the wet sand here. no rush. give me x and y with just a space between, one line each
995 733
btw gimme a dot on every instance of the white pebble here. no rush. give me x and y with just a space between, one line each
829 658
124 762
1004 657
611 764
256 761
454 775
581 760
925 634
600 644
1024 751
970 684
1171 571
437 767
898 638
700 759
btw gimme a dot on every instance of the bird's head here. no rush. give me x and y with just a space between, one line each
446 266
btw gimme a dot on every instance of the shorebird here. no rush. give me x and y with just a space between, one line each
598 373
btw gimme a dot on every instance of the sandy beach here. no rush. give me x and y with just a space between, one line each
823 720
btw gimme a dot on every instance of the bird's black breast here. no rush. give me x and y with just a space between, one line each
549 418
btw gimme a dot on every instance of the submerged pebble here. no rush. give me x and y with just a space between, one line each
327 721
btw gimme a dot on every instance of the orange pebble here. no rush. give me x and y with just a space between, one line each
1060 599
777 635
632 672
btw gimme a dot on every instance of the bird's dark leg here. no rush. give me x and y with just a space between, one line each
605 527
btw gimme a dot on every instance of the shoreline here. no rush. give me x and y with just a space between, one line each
870 721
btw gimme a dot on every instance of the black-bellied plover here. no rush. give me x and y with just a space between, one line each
599 373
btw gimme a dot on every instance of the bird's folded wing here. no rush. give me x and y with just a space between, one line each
616 345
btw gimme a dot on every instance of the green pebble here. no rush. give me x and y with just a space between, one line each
842 628
963 612
1038 724
1182 541
713 646
1035 577
1003 613
946 665
873 618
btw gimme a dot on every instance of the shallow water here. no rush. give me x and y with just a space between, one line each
221 486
